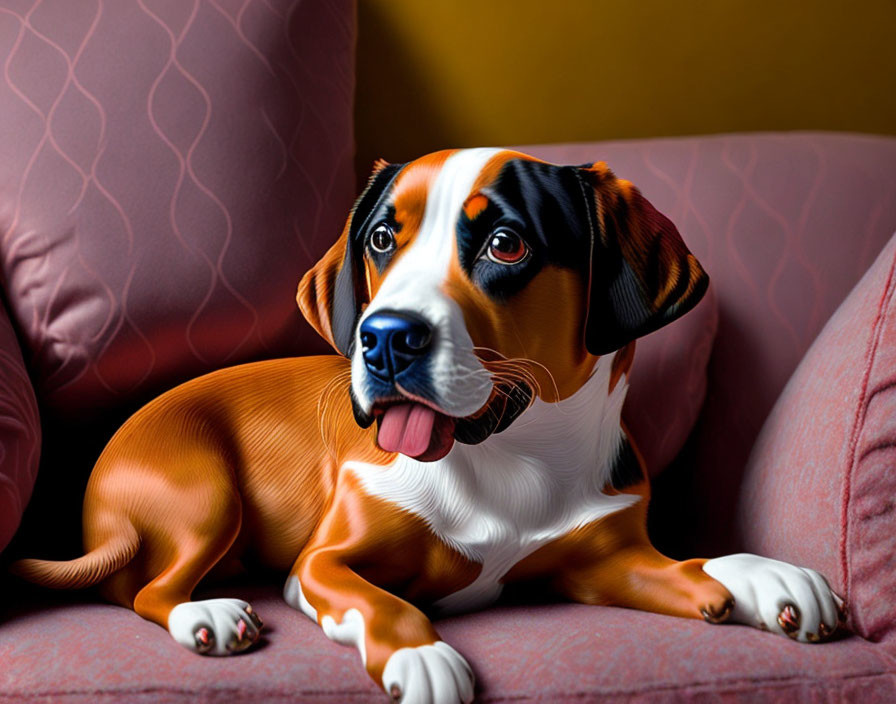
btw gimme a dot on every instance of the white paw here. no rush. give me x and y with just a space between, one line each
429 674
214 626
779 597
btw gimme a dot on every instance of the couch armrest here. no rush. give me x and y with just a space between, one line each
820 484
19 433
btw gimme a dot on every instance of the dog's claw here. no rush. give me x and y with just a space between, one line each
204 640
824 631
256 619
712 616
789 620
842 608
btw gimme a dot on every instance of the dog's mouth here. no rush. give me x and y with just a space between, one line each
422 432
415 430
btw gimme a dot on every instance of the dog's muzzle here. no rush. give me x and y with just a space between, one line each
397 348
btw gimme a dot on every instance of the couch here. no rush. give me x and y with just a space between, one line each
169 170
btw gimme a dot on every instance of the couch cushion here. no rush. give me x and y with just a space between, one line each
168 171
561 653
668 383
785 224
19 433
820 484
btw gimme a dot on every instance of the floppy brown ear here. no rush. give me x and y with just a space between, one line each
642 274
317 292
332 293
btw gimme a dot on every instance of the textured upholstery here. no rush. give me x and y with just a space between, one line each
160 160
828 449
668 383
19 433
561 653
784 224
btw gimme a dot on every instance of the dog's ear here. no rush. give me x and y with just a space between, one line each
333 292
642 274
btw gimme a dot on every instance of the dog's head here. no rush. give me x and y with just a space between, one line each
467 281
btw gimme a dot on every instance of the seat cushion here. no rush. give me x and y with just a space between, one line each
168 171
70 652
820 484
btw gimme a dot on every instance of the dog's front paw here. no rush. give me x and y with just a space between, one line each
428 674
779 597
215 626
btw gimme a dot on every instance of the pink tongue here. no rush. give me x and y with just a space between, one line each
406 428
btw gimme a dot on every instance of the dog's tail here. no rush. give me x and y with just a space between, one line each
85 571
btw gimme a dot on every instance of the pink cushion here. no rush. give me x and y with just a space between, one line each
167 172
668 383
820 484
566 654
785 224
19 433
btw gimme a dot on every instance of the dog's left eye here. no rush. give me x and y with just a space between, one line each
382 240
506 247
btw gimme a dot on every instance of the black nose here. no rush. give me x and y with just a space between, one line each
392 341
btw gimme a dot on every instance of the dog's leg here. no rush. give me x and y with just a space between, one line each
209 626
756 591
398 644
180 551
639 577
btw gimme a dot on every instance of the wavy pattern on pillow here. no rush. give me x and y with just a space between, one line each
169 169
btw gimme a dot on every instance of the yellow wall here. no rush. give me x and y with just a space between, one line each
439 73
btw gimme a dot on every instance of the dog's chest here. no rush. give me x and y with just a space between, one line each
499 501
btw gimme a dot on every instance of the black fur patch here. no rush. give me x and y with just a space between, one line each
348 293
504 409
543 204
627 470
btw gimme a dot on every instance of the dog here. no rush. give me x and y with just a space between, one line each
485 306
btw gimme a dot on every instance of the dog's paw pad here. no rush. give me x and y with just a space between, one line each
428 673
779 597
215 626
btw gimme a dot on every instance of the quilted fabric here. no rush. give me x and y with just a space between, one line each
95 653
19 433
785 224
828 449
168 170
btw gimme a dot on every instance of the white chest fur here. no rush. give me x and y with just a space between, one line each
501 500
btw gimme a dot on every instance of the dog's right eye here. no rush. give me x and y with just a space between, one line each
382 239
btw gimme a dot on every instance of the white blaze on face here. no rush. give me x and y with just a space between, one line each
415 285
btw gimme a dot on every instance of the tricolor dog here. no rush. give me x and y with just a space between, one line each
485 306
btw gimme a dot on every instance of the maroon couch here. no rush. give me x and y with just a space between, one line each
168 170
